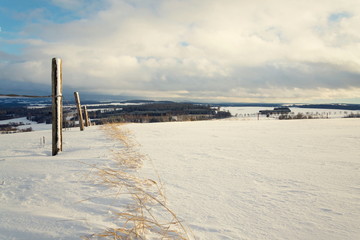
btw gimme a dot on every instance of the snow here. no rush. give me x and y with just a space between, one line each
45 197
225 179
16 120
34 125
296 179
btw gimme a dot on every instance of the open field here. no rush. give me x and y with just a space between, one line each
224 179
295 179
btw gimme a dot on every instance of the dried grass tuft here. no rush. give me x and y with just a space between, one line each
147 216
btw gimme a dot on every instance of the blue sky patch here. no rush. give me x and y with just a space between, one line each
336 17
184 44
14 15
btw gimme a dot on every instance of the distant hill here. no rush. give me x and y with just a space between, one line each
329 106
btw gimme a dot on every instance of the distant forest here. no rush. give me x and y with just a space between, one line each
353 107
100 114
157 112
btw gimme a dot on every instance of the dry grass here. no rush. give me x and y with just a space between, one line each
147 216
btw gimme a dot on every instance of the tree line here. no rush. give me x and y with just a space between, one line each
148 112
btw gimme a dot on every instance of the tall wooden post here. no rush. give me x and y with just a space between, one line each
57 112
77 100
87 120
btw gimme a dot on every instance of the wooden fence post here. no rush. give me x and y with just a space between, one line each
87 120
77 100
57 110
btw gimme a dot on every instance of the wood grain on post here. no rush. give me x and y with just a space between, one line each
87 120
77 100
57 112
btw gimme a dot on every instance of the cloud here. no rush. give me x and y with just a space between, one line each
235 50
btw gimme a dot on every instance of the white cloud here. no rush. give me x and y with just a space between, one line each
203 49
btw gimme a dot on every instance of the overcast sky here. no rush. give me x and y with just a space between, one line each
231 50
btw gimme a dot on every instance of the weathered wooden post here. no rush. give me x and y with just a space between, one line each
57 111
77 100
87 121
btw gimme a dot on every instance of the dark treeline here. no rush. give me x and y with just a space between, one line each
331 106
40 115
158 112
170 108
149 112
10 112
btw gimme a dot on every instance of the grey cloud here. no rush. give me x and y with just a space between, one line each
204 49
298 75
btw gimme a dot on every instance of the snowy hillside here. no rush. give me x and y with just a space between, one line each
295 179
43 197
224 179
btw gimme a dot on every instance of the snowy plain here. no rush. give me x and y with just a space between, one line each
225 179
230 179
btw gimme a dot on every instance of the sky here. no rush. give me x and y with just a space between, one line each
286 51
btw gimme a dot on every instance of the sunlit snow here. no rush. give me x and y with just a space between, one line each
225 179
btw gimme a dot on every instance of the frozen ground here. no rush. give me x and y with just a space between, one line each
226 179
295 179
46 197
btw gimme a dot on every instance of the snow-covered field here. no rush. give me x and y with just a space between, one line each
53 197
34 125
225 179
295 179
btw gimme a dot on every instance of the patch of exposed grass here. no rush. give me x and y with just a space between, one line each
147 216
